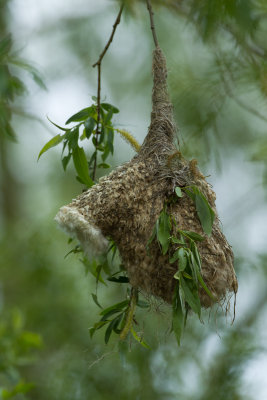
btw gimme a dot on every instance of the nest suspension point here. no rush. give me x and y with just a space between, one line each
126 204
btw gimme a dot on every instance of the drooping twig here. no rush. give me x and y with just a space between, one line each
151 14
98 65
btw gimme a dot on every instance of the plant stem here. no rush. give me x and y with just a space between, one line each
152 25
98 64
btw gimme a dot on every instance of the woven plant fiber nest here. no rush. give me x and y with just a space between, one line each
126 204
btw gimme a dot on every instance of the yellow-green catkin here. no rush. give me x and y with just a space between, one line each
130 139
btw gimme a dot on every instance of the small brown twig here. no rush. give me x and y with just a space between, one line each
152 25
98 64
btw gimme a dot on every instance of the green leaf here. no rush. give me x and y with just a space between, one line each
174 257
205 213
139 339
30 339
153 235
82 115
191 295
177 241
103 165
52 143
81 166
110 140
97 325
178 192
72 137
196 255
193 235
119 306
20 388
193 266
203 284
186 275
177 275
58 126
182 259
65 160
113 325
120 279
5 45
108 107
94 296
89 126
110 313
163 232
177 316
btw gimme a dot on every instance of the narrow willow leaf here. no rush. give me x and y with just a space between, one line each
110 313
52 143
108 107
152 237
89 126
182 259
117 322
120 279
193 266
186 275
178 192
109 330
203 284
119 306
82 115
65 160
191 296
177 316
177 275
97 325
163 232
81 166
193 235
72 137
139 339
58 126
177 241
94 296
103 165
110 140
174 257
196 255
5 45
204 214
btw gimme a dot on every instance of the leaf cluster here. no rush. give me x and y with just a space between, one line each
114 317
183 251
11 85
17 347
99 132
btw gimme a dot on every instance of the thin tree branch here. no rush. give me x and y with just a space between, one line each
152 25
98 64
116 23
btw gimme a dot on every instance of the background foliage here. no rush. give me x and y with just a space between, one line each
216 52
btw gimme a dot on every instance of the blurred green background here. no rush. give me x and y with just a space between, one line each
217 59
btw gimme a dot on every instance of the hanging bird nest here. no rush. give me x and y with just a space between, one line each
126 204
